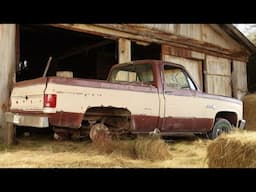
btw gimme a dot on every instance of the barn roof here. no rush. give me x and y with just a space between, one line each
238 36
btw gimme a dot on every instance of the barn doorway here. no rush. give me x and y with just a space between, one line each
87 56
141 50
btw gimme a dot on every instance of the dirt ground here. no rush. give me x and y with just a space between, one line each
44 152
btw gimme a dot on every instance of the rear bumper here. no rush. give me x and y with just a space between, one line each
241 124
27 120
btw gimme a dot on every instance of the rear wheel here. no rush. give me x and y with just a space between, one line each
221 125
99 133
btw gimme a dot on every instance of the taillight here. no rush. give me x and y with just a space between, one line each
50 100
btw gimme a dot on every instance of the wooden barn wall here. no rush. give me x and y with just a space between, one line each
239 79
204 38
202 32
7 75
218 76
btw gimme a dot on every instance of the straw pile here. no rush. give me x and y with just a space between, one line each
103 142
151 148
234 150
250 111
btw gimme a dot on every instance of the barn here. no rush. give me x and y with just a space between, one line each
216 55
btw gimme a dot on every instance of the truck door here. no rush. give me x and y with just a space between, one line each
179 100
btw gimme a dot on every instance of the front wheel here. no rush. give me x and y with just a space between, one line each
221 125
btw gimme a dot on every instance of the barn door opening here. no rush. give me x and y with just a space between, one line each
143 50
83 55
86 55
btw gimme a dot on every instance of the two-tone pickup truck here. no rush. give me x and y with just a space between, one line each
146 96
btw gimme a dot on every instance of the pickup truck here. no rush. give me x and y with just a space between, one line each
138 97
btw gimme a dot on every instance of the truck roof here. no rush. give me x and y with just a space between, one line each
135 62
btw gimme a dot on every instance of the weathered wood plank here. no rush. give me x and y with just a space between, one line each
124 50
218 76
239 79
218 65
7 77
219 85
142 33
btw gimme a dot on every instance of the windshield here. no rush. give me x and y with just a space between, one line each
140 73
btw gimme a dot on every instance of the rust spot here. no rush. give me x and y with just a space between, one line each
4 107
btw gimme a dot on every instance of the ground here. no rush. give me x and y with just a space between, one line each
44 152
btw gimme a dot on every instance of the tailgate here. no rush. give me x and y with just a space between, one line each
28 95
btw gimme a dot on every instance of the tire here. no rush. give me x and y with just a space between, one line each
221 125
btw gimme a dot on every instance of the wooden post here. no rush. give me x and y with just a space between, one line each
7 78
124 50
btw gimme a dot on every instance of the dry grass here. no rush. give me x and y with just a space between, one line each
235 150
46 153
249 102
151 148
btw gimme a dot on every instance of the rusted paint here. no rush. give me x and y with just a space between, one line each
144 123
180 52
66 119
4 107
178 124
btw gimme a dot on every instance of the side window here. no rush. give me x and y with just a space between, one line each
142 73
128 76
175 78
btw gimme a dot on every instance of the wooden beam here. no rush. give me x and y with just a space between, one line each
81 49
7 78
115 31
124 50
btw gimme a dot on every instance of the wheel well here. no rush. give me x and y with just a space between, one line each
107 111
230 116
113 117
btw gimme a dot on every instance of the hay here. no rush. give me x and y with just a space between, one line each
103 142
144 148
151 148
250 111
234 150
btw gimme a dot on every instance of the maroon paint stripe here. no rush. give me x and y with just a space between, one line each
102 84
66 119
141 123
144 123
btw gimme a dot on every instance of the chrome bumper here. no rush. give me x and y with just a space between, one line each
241 124
27 120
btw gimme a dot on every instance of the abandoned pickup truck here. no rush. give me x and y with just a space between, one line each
138 97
